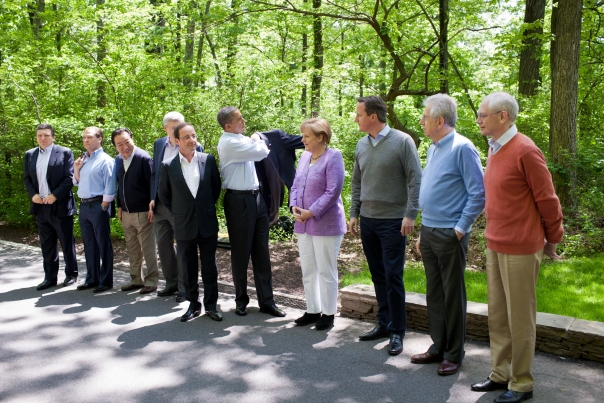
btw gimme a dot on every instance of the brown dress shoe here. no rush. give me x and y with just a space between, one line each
130 287
448 367
425 358
148 289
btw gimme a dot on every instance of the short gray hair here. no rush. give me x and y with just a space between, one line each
225 115
173 117
502 101
442 106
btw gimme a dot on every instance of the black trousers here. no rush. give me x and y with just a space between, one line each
94 224
51 229
444 258
187 253
248 227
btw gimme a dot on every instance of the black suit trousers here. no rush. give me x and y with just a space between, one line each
187 253
51 229
96 231
248 227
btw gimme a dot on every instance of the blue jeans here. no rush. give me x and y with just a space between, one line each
384 248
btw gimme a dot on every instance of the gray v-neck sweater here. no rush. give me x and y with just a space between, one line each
386 178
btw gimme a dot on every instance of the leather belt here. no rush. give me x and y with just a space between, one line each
243 192
92 199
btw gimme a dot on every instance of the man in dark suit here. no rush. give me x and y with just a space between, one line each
164 149
189 186
48 179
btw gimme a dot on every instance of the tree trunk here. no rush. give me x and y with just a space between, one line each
233 40
443 40
35 9
303 98
160 24
566 29
189 49
317 76
529 79
101 52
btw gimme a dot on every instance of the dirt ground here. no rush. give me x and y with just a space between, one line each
287 275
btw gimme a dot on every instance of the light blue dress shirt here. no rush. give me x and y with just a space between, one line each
97 177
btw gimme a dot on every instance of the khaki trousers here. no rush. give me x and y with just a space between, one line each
512 281
140 241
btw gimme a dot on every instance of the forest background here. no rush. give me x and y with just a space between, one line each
125 63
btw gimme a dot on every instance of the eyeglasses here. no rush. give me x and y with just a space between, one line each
481 116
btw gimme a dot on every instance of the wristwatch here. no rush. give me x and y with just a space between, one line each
105 207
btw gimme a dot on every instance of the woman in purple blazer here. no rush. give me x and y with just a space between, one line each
320 222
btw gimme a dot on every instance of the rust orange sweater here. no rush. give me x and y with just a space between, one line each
521 208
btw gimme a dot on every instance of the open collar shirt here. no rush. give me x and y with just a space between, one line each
42 169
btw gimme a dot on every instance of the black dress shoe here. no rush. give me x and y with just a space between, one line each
241 310
214 315
190 314
69 280
396 344
325 322
272 310
307 319
376 333
86 286
166 292
181 297
102 288
488 385
46 284
510 396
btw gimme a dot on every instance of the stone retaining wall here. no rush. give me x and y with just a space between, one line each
561 335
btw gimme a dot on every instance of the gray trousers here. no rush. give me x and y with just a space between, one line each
444 258
163 227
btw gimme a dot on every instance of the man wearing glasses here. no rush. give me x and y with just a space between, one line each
524 222
48 180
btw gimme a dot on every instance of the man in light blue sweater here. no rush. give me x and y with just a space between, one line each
451 198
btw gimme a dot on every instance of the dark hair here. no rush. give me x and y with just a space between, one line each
178 128
225 115
119 131
374 104
46 126
95 130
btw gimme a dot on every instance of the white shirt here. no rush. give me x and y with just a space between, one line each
42 169
128 160
170 151
237 155
190 170
503 140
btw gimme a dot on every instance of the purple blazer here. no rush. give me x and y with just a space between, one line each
318 189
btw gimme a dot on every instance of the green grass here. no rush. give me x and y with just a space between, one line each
572 287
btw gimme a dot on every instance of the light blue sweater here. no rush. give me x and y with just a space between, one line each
452 187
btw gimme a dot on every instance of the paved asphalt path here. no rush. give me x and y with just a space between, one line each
64 345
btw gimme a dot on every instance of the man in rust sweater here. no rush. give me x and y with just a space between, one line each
524 222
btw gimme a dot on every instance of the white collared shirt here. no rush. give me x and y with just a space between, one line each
237 155
503 140
42 169
128 160
190 170
170 151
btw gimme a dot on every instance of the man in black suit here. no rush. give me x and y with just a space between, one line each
48 178
189 186
164 149
245 211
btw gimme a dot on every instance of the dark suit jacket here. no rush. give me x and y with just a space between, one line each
193 216
158 156
59 177
134 186
283 157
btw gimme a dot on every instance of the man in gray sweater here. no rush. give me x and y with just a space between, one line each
385 191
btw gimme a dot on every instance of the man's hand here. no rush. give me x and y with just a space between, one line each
549 250
150 214
353 226
407 226
459 235
37 199
417 243
50 199
151 205
119 214
256 136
